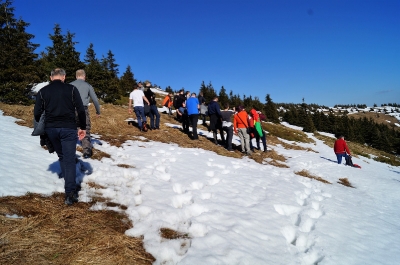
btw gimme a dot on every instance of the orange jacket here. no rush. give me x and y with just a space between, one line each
240 120
167 101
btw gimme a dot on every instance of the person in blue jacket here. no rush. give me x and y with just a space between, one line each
192 106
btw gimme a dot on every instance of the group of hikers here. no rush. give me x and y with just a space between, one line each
190 107
67 119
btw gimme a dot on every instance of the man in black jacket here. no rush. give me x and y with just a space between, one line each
151 97
59 101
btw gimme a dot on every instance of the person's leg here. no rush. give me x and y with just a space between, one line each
195 119
138 116
241 132
68 138
229 135
86 141
246 137
264 141
151 115
257 136
157 114
339 158
143 115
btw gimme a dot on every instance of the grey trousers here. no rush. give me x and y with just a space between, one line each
244 139
86 142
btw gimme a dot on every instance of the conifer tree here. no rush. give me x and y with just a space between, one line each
18 69
223 97
126 82
62 54
169 89
271 110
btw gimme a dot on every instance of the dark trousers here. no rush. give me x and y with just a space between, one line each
263 139
64 143
185 122
154 112
193 120
229 135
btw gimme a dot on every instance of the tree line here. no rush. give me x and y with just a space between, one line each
363 131
21 68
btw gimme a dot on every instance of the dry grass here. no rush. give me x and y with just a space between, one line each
168 233
52 233
345 182
284 132
306 174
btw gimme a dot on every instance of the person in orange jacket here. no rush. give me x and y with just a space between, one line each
167 102
340 148
240 126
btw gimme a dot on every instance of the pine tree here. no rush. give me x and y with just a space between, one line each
18 68
127 81
169 89
62 54
271 110
223 97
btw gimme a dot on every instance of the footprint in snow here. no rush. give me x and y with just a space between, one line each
178 188
179 200
210 174
197 185
213 181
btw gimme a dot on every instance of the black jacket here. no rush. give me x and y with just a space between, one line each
60 100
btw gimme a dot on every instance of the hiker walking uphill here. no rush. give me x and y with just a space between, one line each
59 101
240 126
137 97
87 92
341 150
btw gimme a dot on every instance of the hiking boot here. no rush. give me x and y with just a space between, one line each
87 153
71 198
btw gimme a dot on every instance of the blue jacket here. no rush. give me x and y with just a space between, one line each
192 106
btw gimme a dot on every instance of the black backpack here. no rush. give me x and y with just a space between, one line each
349 162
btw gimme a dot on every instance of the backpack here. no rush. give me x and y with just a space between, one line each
349 162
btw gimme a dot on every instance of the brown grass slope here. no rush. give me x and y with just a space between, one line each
52 233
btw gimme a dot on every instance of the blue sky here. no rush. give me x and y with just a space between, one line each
327 52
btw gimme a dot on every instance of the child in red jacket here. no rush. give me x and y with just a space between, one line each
340 148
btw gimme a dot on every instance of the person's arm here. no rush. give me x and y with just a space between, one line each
130 106
80 109
93 96
347 148
235 124
145 99
37 111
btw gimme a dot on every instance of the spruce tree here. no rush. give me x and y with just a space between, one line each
271 110
127 82
62 54
18 69
223 97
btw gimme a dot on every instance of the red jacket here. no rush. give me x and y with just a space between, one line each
341 147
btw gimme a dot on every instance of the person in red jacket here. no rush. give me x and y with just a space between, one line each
340 148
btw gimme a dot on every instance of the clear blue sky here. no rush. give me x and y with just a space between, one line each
329 52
